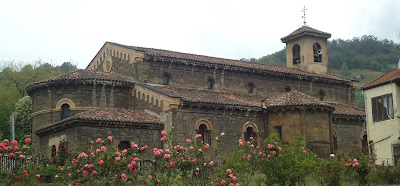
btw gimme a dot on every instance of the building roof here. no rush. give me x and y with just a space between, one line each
80 75
305 30
294 98
392 75
347 110
241 65
215 97
111 115
117 114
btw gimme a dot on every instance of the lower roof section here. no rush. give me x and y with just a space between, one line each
106 117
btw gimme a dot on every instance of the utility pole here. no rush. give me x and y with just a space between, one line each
12 128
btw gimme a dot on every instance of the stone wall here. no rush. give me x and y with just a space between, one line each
189 75
78 137
46 102
231 122
349 132
314 125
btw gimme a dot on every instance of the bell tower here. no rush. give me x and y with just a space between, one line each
306 49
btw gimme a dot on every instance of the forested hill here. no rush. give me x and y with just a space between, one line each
366 52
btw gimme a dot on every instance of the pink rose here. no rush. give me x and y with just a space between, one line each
109 138
103 148
164 138
97 150
187 140
98 140
222 134
85 173
172 163
101 162
163 133
11 154
304 151
198 135
150 177
118 154
229 171
355 160
21 156
27 140
223 182
274 152
37 176
6 141
251 138
94 172
123 175
167 156
211 163
15 142
124 151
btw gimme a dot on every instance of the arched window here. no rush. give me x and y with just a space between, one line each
210 83
296 54
287 89
165 78
250 130
335 141
203 127
250 88
65 111
250 133
321 95
317 52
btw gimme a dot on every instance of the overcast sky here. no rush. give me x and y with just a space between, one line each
74 30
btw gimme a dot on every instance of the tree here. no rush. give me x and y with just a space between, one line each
345 70
23 119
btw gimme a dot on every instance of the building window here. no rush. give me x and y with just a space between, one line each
65 111
53 152
278 130
321 95
296 54
364 143
317 52
287 89
204 128
382 108
335 141
124 145
210 83
250 88
205 134
165 78
250 132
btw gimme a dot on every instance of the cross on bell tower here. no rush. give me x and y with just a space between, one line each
304 15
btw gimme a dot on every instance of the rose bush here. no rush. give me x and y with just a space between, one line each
191 163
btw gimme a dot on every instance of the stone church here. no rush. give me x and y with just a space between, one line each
133 93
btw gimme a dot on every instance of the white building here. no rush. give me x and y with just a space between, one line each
382 98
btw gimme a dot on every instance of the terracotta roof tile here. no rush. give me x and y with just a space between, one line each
112 114
158 53
293 98
215 97
80 75
303 31
117 114
384 79
348 110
